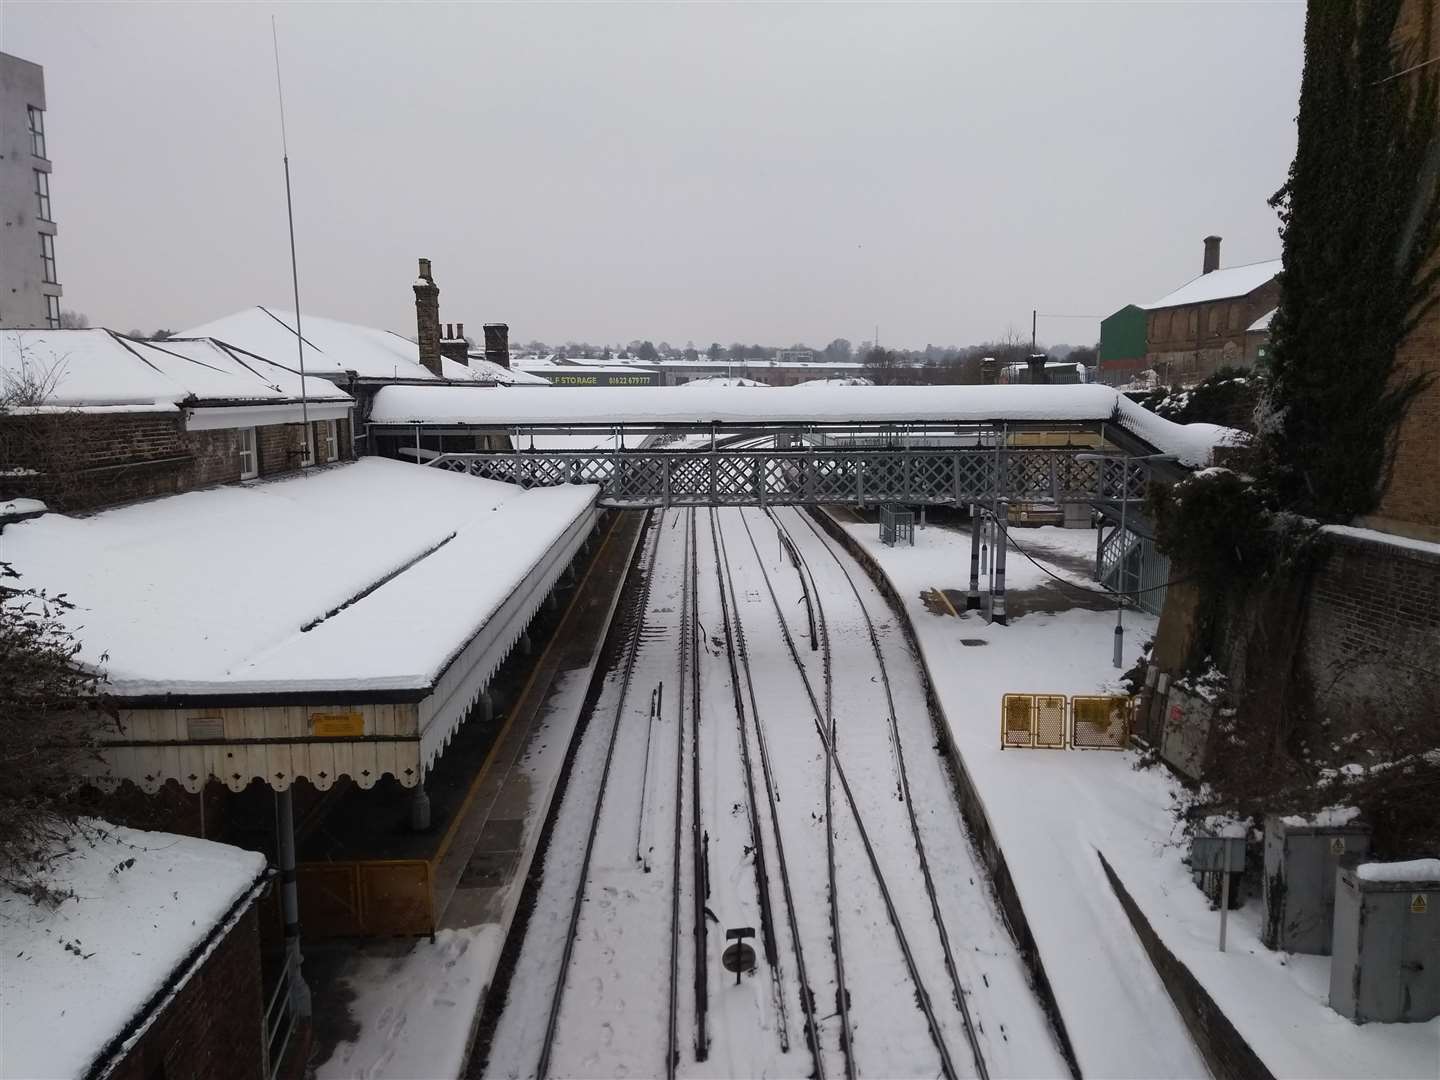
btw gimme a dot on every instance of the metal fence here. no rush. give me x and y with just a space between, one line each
897 525
1055 722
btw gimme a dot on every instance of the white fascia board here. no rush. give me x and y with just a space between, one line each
242 416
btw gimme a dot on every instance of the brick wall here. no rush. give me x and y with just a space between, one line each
1410 502
216 456
88 460
214 1025
280 447
1372 628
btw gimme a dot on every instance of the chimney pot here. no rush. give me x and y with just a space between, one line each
1212 255
425 269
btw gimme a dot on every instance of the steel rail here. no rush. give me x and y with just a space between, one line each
922 995
642 606
970 1032
672 1052
699 840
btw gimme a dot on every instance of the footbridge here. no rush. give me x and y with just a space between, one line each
758 446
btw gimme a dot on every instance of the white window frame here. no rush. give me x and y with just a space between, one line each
249 450
52 311
332 439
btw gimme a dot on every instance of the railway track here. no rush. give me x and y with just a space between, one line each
635 626
743 797
898 745
824 725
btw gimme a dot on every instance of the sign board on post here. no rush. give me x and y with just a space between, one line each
1224 855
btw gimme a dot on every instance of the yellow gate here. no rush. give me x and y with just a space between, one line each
1100 723
1054 722
1033 720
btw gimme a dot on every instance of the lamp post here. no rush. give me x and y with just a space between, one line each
1125 460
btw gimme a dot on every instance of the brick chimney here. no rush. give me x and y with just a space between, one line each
989 371
427 319
497 343
1038 375
453 345
1212 254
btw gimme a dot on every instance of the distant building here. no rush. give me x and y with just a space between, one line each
1122 345
29 286
1202 326
795 356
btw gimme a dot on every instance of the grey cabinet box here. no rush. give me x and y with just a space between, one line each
1386 963
1301 857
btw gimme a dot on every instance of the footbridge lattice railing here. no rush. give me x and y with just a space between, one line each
748 477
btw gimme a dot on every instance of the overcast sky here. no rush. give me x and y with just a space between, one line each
765 173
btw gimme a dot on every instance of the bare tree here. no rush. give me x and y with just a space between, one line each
74 320
52 712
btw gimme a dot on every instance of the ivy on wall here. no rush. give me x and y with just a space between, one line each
1359 216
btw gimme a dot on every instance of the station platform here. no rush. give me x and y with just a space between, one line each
487 819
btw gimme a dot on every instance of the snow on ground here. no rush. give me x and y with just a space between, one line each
1053 810
212 590
1193 444
415 1010
75 976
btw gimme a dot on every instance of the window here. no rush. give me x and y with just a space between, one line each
52 312
37 131
47 256
249 461
332 447
1214 320
307 452
42 194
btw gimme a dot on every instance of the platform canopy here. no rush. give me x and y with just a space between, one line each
342 622
733 408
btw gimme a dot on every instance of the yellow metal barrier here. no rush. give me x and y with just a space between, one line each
1100 723
1054 722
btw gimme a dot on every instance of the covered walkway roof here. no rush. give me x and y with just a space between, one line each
808 407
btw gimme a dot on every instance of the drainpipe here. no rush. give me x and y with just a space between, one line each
289 901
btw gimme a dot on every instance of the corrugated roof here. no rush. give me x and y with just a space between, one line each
1219 285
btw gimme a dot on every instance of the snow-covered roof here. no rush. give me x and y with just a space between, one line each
144 602
75 977
1263 322
333 348
99 369
1219 285
599 406
843 380
481 369
720 380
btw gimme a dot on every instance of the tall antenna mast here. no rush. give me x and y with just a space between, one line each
294 271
